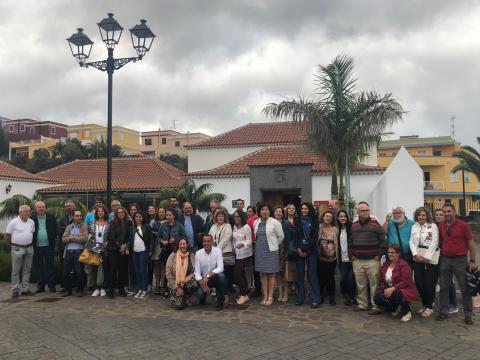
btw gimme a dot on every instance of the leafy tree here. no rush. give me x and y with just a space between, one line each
54 205
469 160
342 124
200 197
98 149
175 160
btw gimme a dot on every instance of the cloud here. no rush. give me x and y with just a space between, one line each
215 64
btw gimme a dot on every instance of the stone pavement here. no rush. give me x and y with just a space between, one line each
101 328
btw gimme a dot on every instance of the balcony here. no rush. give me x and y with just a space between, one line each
433 185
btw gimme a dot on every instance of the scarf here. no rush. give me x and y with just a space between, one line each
181 266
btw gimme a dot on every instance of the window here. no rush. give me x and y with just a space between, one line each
177 143
32 130
164 141
467 176
394 154
11 128
437 152
22 127
382 155
87 133
453 177
52 130
421 153
148 141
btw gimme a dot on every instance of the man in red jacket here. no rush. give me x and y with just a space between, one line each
457 242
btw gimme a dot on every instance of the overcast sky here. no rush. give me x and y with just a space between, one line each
215 64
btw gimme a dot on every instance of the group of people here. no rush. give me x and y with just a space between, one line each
175 252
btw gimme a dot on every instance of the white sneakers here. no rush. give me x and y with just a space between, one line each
406 317
103 292
100 292
96 292
427 313
420 312
140 294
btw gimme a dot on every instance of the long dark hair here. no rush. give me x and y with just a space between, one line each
312 213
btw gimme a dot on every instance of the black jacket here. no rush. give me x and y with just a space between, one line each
51 225
119 233
307 242
146 235
197 225
348 227
62 225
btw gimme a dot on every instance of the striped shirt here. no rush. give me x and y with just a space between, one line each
368 239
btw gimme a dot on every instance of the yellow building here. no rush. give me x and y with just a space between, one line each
27 147
159 142
127 139
434 156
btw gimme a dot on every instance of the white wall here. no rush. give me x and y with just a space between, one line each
233 188
360 186
401 184
210 158
19 187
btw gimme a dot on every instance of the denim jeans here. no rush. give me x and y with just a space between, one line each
457 266
140 267
311 262
73 271
21 263
44 271
391 304
219 282
348 287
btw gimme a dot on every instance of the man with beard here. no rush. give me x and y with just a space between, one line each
398 229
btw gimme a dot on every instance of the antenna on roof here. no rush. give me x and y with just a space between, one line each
174 122
453 126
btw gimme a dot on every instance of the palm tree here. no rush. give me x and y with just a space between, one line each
342 125
200 197
469 160
55 205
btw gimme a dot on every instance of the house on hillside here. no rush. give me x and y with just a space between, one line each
267 162
133 179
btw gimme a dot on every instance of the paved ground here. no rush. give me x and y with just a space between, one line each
99 328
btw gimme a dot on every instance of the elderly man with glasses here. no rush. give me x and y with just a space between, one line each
368 245
398 229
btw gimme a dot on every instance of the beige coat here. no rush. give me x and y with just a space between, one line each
172 265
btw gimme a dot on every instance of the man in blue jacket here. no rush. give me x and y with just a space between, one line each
43 247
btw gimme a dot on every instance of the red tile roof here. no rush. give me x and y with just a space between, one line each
279 155
11 172
128 174
257 134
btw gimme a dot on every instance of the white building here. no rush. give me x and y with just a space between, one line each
267 162
15 181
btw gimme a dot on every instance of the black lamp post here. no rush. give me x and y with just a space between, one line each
111 31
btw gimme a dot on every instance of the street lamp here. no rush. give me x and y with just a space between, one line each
110 31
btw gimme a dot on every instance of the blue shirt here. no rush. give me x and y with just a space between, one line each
189 231
89 218
74 231
405 232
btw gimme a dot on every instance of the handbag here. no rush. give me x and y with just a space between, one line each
89 257
292 253
421 250
229 258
